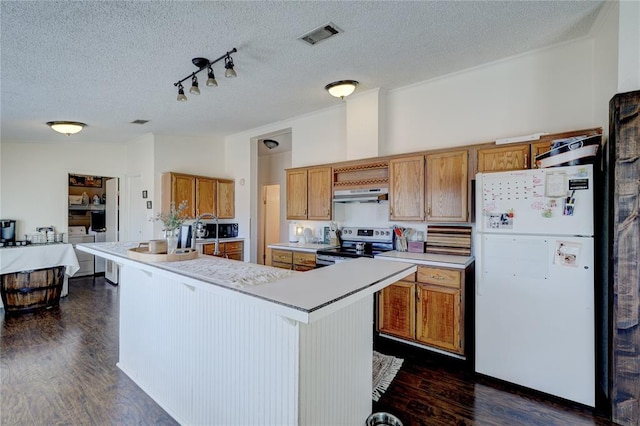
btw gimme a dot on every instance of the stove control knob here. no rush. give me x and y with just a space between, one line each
376 232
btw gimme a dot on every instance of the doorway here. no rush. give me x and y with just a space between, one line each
271 220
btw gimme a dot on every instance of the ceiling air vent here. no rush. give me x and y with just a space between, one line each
321 33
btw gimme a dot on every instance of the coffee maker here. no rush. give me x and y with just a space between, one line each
8 232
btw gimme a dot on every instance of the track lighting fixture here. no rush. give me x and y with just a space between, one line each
66 127
204 63
194 85
341 89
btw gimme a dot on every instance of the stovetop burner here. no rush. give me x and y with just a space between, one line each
375 241
346 252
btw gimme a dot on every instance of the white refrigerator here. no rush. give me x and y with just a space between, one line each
534 251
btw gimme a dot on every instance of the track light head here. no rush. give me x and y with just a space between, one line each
181 96
228 64
194 85
211 79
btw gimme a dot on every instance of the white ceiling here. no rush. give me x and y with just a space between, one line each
107 63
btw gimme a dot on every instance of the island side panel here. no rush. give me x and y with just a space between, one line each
204 356
336 356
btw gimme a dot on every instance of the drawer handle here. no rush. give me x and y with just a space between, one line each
437 277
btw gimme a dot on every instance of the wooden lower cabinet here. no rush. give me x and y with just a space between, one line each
291 259
231 250
427 308
438 320
397 310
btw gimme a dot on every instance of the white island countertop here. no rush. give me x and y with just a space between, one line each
431 259
301 296
309 247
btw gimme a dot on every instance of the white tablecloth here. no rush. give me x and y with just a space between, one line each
27 258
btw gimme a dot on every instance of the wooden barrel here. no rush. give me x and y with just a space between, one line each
28 291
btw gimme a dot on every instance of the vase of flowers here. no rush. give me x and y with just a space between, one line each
171 222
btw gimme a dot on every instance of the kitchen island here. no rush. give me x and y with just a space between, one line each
216 341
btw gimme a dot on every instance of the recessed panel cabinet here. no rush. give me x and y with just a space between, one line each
504 158
397 310
291 259
447 185
427 308
406 188
202 194
309 193
230 250
177 188
226 199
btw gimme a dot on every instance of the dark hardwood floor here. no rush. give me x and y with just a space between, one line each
58 367
433 389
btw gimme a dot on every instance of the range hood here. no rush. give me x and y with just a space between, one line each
360 195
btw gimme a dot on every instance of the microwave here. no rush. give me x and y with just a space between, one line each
225 230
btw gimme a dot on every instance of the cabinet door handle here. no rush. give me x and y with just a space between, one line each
526 161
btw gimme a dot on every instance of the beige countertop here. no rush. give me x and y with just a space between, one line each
445 260
310 247
301 296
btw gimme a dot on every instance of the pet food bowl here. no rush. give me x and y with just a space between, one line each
383 419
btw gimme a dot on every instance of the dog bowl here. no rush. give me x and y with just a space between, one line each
383 419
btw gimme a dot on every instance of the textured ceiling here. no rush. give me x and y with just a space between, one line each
107 63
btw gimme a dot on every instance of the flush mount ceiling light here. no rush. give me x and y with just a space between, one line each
202 64
270 143
341 89
66 127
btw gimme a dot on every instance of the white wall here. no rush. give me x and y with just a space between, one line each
543 91
35 178
629 47
319 138
140 160
605 62
364 124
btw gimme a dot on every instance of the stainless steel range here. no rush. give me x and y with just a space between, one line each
357 242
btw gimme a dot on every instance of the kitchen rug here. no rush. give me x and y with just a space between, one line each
385 368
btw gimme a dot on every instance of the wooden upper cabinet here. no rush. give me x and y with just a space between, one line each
319 193
176 188
309 193
205 195
447 187
537 149
226 199
297 194
406 188
439 317
396 310
504 158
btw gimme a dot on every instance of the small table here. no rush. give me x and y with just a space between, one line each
40 256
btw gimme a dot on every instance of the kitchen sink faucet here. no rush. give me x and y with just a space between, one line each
194 232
